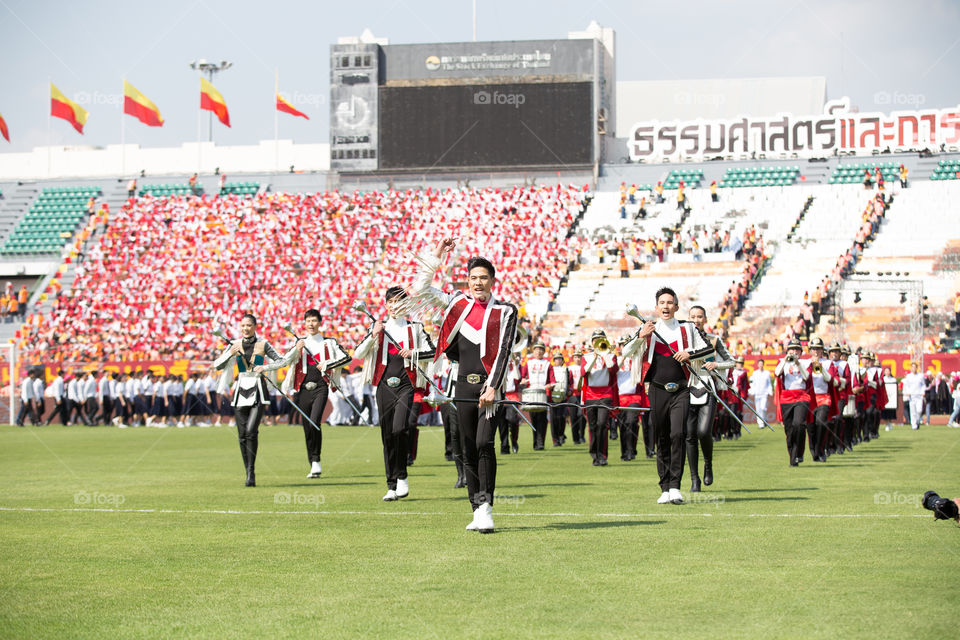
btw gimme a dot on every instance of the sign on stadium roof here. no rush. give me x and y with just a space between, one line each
837 130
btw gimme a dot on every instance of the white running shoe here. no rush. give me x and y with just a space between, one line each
473 523
675 496
391 496
403 488
483 517
664 498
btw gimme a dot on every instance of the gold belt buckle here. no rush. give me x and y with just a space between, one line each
671 387
473 378
393 382
310 386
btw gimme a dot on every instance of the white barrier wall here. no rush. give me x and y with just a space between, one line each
131 159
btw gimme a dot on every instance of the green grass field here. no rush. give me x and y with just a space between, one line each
150 533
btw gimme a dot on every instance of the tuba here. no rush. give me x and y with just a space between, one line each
520 341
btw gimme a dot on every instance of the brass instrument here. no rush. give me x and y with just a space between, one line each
817 367
601 343
520 341
790 359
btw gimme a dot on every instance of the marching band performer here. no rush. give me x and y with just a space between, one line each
844 416
598 377
738 384
534 377
478 332
703 405
662 361
250 397
448 414
509 421
318 364
875 394
794 394
824 399
392 369
631 395
559 384
578 421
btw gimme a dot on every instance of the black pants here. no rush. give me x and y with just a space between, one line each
598 413
872 423
395 405
699 435
794 428
76 413
507 420
476 436
107 409
558 425
668 413
448 414
578 425
539 421
27 409
248 432
312 402
91 407
629 423
818 430
413 431
649 439
62 409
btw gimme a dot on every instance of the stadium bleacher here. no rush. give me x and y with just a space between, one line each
163 190
854 173
948 169
50 221
240 188
738 177
690 178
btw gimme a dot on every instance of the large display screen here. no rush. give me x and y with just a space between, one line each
496 125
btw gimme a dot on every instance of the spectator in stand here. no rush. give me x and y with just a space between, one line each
624 266
132 188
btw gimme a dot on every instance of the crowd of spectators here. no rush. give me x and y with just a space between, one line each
160 272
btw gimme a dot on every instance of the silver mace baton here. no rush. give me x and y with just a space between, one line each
289 329
632 311
220 334
361 306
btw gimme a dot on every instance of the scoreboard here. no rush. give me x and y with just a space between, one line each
483 105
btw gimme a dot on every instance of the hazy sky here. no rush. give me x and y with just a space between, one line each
908 49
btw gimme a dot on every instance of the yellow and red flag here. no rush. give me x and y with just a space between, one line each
61 107
211 100
139 106
286 107
3 128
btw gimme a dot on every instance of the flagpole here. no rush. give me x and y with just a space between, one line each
199 129
49 128
123 148
276 122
